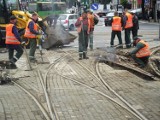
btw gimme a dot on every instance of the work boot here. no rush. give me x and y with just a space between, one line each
91 48
120 46
128 46
80 56
33 60
112 46
85 56
12 66
13 60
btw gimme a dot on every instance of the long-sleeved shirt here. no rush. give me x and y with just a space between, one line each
125 18
137 48
15 32
84 22
135 22
31 28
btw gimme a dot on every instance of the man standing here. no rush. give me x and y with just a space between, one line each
135 25
13 41
128 24
83 28
141 53
31 33
116 29
91 18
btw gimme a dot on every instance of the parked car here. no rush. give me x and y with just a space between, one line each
67 21
109 16
101 14
138 12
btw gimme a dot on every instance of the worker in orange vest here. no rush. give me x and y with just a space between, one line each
141 53
83 28
13 42
31 33
127 26
91 18
116 29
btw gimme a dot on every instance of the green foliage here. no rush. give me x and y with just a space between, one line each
124 2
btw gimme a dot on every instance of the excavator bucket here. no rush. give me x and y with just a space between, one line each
57 37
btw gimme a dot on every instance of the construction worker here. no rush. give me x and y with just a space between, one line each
116 29
83 28
90 36
135 25
141 53
13 42
31 33
127 26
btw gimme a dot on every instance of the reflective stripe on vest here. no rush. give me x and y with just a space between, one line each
129 22
28 33
10 37
80 27
116 24
143 52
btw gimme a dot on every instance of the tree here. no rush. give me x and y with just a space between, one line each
124 3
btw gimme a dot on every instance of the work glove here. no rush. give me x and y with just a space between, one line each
39 33
23 43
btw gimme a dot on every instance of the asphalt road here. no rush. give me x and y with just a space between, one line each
102 34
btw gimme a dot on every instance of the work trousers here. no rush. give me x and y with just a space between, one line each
90 37
134 32
113 34
127 37
83 43
33 46
141 61
19 52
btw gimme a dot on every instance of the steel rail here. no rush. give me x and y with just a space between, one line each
101 93
45 81
122 99
97 91
115 93
35 100
46 95
3 108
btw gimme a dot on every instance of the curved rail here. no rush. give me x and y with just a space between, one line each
140 117
3 109
46 95
120 97
101 93
35 100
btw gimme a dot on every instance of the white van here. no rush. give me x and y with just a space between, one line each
67 21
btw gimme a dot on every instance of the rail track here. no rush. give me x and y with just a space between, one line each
98 77
48 111
96 80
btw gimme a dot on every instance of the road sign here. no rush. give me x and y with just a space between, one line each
94 6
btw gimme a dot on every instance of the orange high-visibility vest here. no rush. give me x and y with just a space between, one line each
91 18
145 51
116 24
28 33
80 27
10 37
129 22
